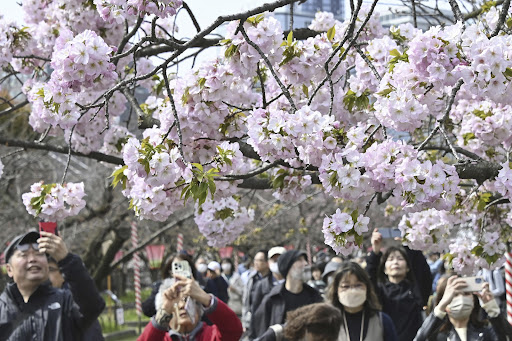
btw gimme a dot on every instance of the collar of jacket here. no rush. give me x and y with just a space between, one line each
15 294
188 337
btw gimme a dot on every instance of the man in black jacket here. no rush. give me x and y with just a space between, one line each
30 308
284 297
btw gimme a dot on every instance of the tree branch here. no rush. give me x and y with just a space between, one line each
62 150
155 235
144 121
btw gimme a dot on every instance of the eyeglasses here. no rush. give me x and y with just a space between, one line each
344 287
25 247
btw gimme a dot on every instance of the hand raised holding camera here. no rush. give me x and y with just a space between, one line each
485 295
454 286
53 245
189 287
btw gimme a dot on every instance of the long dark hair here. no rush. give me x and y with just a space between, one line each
371 305
474 318
320 319
381 275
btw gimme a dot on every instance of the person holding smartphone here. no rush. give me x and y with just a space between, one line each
181 306
30 308
457 315
403 283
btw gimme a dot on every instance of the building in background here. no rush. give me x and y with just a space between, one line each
424 20
303 14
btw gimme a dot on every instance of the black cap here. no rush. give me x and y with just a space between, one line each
286 260
29 237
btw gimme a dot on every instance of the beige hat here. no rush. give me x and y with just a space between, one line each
276 250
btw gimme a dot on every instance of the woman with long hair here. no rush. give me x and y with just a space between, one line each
403 283
457 315
352 293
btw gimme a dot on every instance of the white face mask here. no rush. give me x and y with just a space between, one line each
461 307
352 298
274 268
226 267
202 268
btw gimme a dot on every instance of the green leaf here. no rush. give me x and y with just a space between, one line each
305 90
467 137
198 166
395 53
508 72
483 200
289 38
118 175
385 93
331 32
354 215
477 250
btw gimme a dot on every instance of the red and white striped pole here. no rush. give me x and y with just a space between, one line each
136 270
179 248
508 284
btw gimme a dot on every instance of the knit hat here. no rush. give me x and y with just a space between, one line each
330 268
286 260
29 237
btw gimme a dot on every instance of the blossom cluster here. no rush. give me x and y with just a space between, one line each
54 202
484 125
277 134
119 10
81 61
290 185
344 232
503 183
458 235
390 166
266 32
12 40
222 221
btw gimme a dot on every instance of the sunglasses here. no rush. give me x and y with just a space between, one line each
25 247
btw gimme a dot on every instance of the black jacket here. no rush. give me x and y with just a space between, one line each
430 330
148 306
404 299
52 314
272 309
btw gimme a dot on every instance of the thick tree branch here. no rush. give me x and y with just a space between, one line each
62 150
478 170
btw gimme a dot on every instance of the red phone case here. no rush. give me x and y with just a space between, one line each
48 226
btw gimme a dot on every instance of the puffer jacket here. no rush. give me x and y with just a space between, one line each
52 314
498 330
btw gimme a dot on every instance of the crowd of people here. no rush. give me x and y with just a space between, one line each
391 294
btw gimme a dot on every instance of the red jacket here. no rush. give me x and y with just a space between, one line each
226 327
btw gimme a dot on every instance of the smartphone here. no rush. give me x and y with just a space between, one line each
474 283
48 226
182 268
